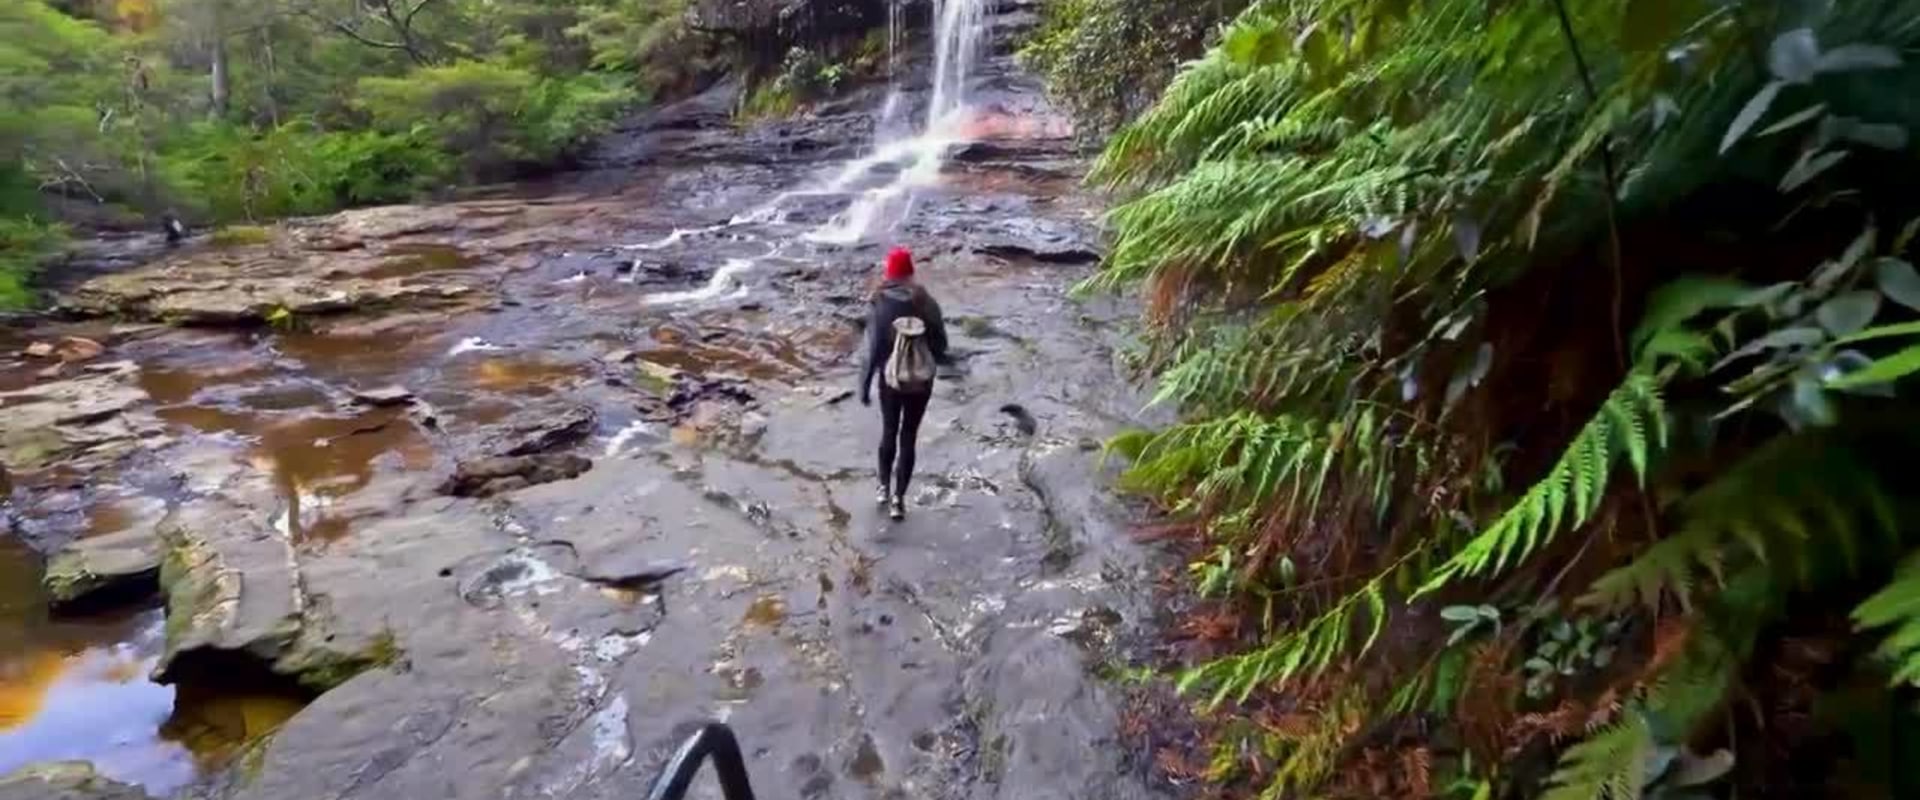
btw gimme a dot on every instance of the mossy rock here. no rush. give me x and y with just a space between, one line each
320 669
241 236
64 780
126 565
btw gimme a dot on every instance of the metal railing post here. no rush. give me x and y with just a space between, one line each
714 740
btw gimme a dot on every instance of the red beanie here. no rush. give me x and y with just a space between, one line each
899 264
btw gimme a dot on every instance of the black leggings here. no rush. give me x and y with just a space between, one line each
900 415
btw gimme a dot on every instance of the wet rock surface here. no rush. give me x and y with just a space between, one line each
124 565
500 474
64 781
623 489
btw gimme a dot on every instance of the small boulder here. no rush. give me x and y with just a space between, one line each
490 476
39 350
79 348
384 396
563 427
123 565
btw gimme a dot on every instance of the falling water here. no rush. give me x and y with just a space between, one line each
894 22
960 30
960 27
889 124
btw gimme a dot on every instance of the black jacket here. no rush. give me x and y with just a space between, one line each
894 300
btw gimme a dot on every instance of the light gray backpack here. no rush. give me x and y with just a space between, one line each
910 369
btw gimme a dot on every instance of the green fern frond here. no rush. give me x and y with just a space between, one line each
1806 504
1306 650
1609 765
1307 759
1614 764
1631 422
1897 606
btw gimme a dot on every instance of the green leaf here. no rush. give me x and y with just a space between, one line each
1750 114
1851 57
1802 336
1470 374
1899 329
1849 313
1898 281
1810 165
1680 299
1766 295
1890 368
1794 56
1886 136
1459 613
1811 402
1800 117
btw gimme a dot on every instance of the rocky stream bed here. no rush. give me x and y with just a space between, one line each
500 497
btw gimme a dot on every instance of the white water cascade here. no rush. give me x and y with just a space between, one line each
960 28
960 31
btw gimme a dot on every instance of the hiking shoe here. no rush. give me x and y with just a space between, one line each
897 508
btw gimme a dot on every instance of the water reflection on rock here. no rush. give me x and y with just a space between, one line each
80 689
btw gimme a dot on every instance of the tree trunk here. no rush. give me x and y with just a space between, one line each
273 103
221 90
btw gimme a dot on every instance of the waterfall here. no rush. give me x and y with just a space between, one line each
960 28
889 120
960 31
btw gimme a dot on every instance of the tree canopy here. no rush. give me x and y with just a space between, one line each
112 111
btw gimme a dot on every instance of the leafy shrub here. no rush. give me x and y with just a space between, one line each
1107 60
493 116
24 244
769 100
240 235
471 108
647 38
366 167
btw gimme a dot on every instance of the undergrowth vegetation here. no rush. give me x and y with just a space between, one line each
1544 371
113 113
1106 60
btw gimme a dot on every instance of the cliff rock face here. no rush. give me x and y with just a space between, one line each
767 28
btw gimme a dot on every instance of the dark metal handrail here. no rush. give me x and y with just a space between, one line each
714 740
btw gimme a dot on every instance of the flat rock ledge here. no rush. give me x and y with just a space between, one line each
65 780
119 565
233 588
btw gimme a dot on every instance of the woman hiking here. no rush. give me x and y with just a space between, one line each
906 338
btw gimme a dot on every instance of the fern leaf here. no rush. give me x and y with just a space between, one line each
1897 606
1582 470
1813 504
1610 765
1307 649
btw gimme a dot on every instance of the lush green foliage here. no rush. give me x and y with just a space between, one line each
1106 60
23 243
1393 252
252 109
494 114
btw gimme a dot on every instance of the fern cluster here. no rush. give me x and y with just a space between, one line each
1632 423
1339 200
